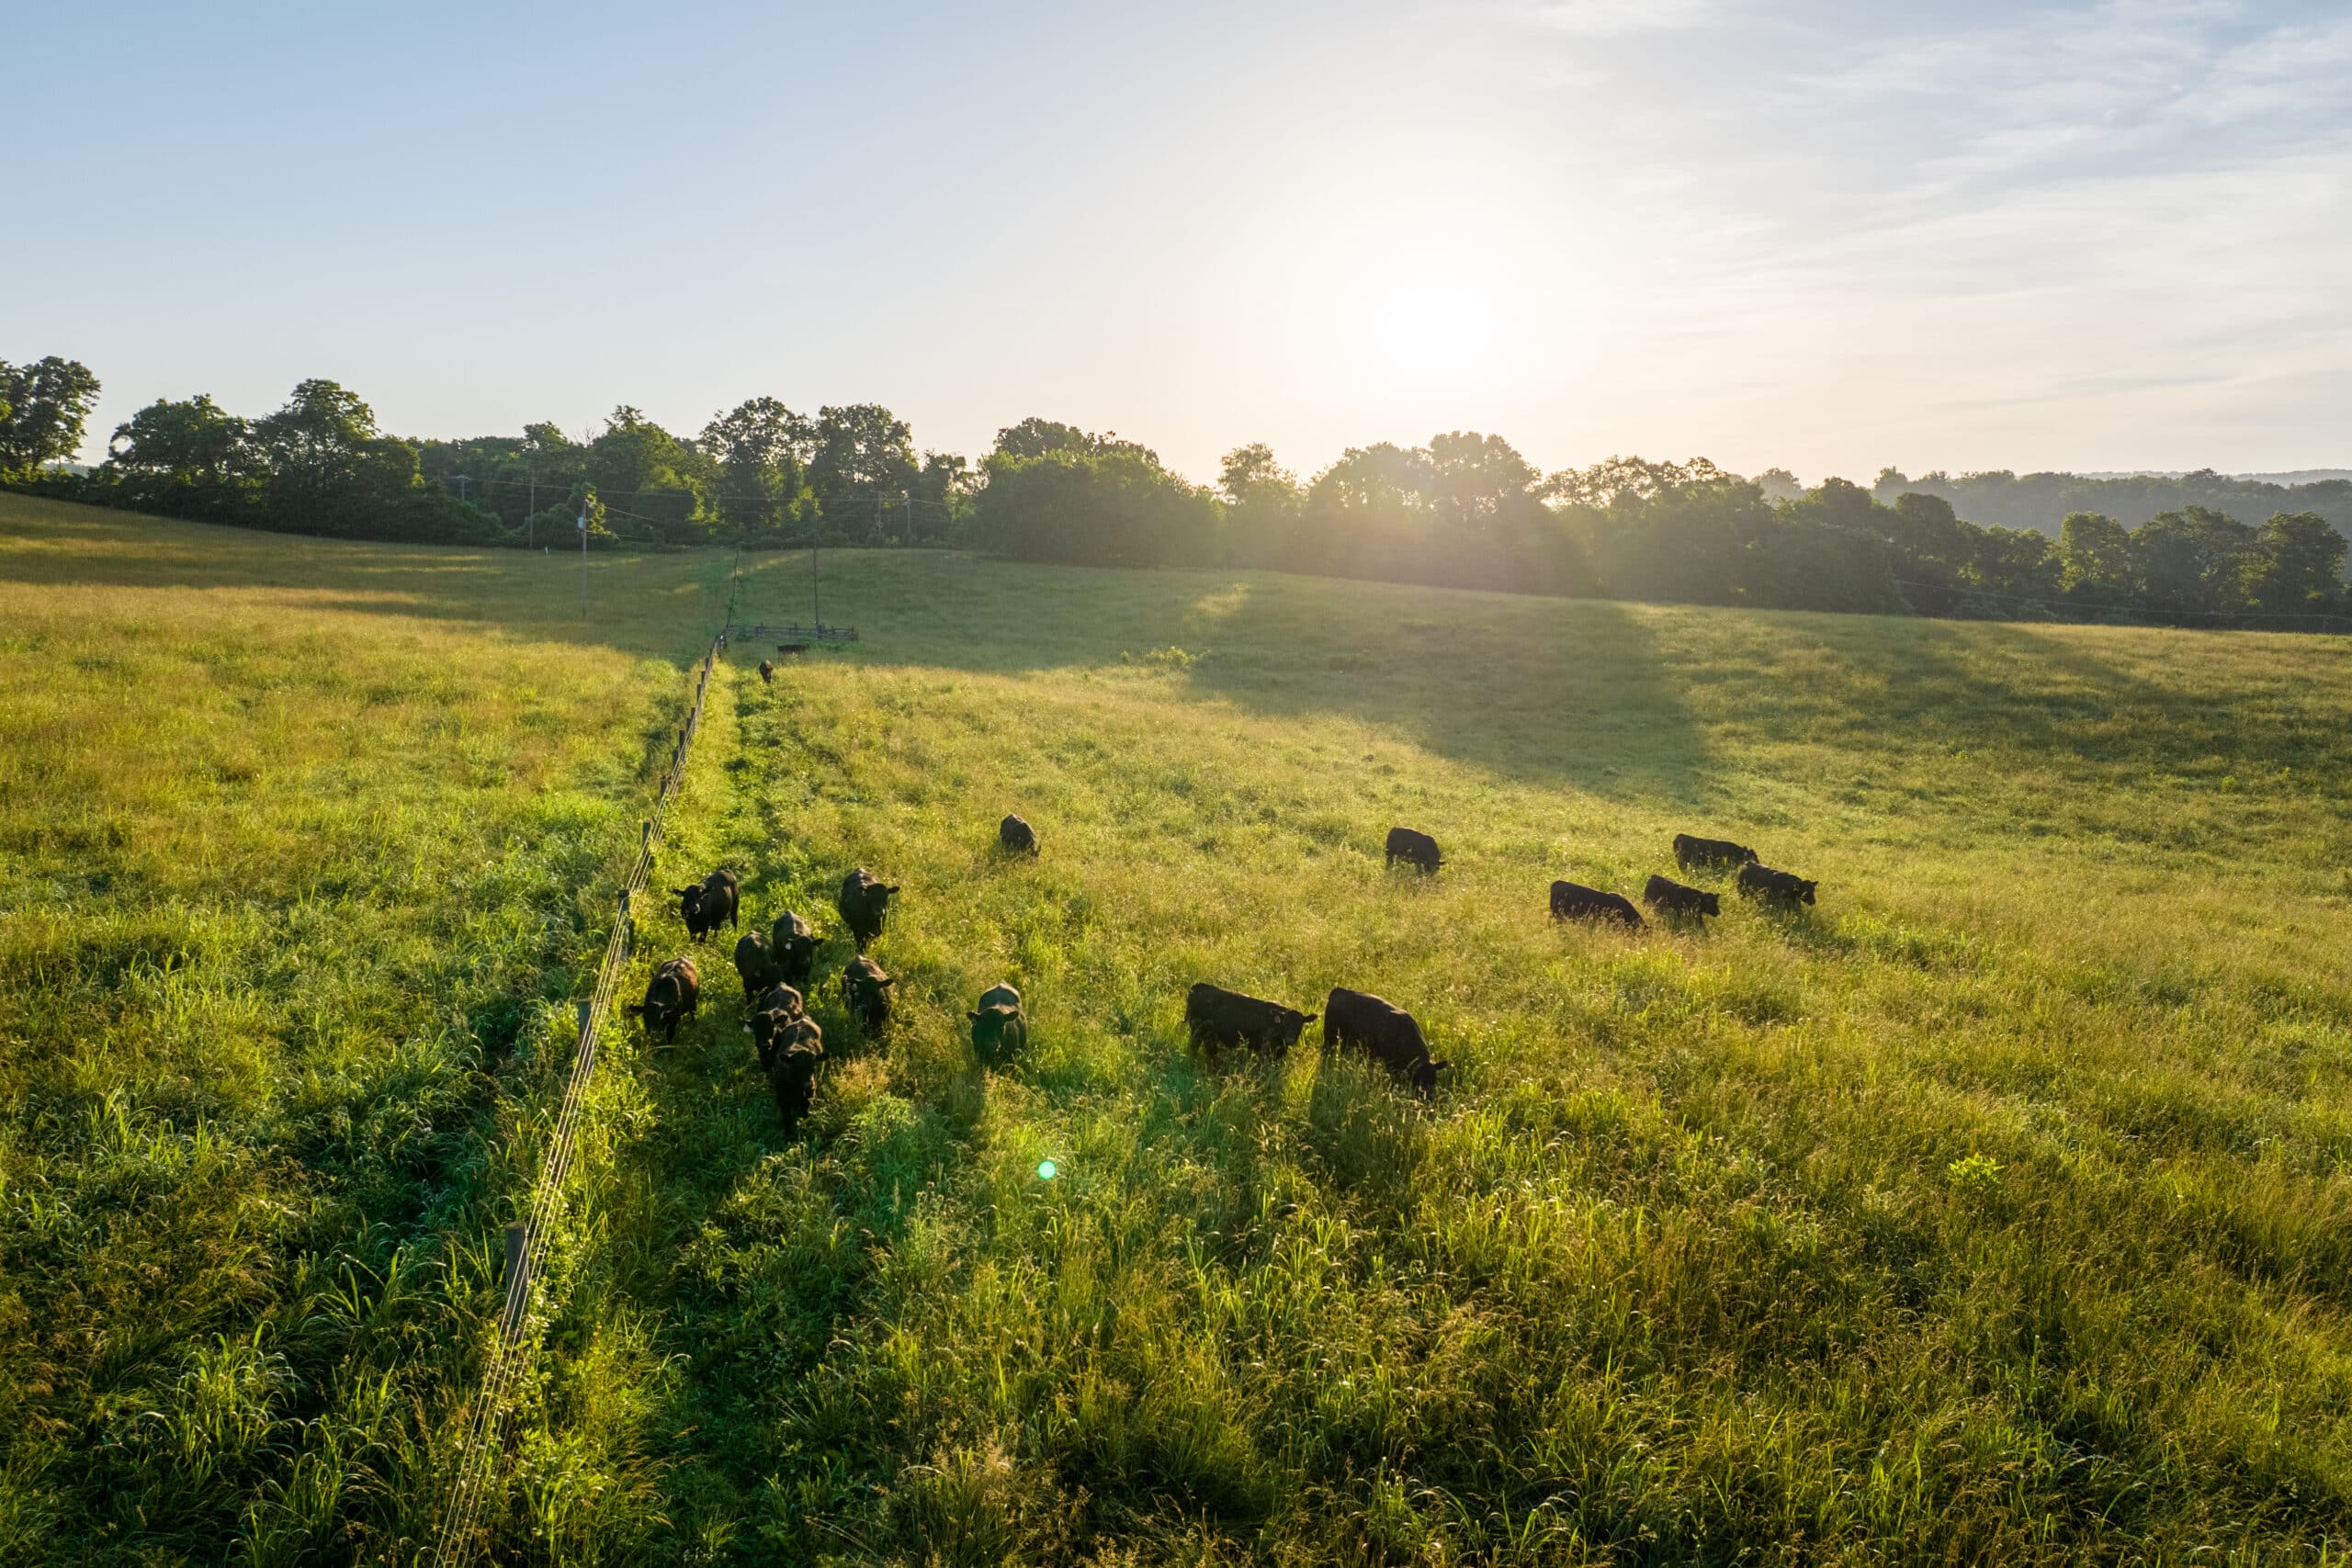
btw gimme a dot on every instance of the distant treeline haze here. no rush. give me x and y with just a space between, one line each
1466 509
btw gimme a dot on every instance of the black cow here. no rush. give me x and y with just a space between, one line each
1384 1032
1574 901
1775 887
792 1073
866 992
1016 835
1668 896
673 993
773 1013
865 904
792 648
767 672
754 964
1413 848
1690 852
1219 1018
708 902
794 944
999 1029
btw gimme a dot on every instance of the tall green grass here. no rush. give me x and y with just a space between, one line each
300 852
1991 1211
1994 1211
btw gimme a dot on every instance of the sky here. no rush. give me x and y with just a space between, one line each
1829 235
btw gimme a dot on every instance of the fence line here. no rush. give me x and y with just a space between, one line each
526 1244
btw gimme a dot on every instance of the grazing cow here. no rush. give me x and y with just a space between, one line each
866 992
792 648
775 1012
708 902
865 904
1384 1032
1775 887
1413 848
1668 896
767 674
792 1072
1219 1018
999 1029
754 964
1690 852
1574 901
1017 836
794 944
674 992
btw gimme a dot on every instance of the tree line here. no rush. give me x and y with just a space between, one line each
1466 509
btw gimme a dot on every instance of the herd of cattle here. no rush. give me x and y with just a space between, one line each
778 967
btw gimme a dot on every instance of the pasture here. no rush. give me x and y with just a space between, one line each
1995 1210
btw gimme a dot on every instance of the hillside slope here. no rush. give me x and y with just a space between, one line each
1991 1210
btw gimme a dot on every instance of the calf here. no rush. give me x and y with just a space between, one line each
866 992
1777 887
767 672
1574 901
794 945
792 648
778 1008
1413 848
792 1073
1384 1032
1016 835
674 992
1668 896
999 1029
706 903
1219 1018
1690 852
754 964
865 904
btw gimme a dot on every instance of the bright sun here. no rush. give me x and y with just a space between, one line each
1435 328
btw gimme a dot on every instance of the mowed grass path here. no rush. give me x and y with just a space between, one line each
1993 1212
302 847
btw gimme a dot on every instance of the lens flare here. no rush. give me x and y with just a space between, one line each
1048 1171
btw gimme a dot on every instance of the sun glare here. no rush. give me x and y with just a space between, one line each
1435 328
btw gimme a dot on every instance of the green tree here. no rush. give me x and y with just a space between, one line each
1261 506
650 480
762 449
44 407
863 455
1118 507
2296 566
2192 561
2096 563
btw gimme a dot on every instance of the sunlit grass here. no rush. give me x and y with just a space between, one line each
1990 1212
1993 1212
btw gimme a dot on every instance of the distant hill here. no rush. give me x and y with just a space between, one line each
2042 500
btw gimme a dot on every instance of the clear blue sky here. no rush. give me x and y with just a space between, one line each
1823 233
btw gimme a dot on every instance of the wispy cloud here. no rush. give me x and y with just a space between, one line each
1614 18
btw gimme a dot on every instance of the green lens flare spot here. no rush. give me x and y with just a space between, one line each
1048 1171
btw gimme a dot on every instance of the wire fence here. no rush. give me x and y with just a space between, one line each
526 1244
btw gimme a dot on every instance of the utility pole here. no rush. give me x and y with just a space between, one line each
530 510
910 519
816 609
584 561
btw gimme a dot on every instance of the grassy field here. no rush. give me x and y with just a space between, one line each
1994 1210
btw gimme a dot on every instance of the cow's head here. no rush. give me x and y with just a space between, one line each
1290 1022
690 902
1711 904
1424 1076
1805 889
988 1025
